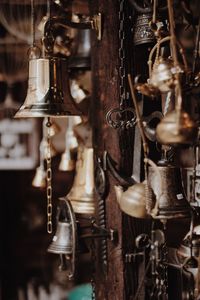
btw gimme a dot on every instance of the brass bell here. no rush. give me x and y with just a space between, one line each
64 241
142 31
81 194
132 201
39 180
67 162
44 145
172 202
176 127
45 96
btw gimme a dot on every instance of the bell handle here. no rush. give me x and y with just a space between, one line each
74 236
163 40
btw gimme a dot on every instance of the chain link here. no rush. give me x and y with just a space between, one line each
117 117
49 178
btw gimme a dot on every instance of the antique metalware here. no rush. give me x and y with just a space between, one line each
143 33
172 202
81 194
45 96
162 76
68 162
191 244
176 127
132 201
65 239
39 179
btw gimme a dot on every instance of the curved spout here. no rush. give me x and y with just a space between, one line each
122 179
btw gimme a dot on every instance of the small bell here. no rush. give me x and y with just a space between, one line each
39 180
143 33
64 241
67 162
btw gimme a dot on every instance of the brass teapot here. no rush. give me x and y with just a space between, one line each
132 201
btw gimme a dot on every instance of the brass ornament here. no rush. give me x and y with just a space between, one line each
81 194
143 33
47 94
132 201
175 128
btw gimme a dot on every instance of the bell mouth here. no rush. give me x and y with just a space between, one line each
44 110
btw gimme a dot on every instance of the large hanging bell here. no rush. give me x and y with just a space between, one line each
81 194
172 202
46 96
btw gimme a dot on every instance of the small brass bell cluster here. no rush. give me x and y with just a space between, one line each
39 180
67 162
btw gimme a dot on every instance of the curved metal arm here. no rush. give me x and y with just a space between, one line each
52 23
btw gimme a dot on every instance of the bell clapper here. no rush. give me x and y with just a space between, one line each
49 178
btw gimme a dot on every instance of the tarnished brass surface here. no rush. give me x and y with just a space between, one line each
132 201
39 179
162 76
176 128
172 202
81 194
62 240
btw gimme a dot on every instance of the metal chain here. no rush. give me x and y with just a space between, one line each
93 260
49 178
115 117
122 68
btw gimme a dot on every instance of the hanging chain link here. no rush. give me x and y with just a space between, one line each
115 117
49 178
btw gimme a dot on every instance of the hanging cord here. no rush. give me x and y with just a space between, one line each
49 178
